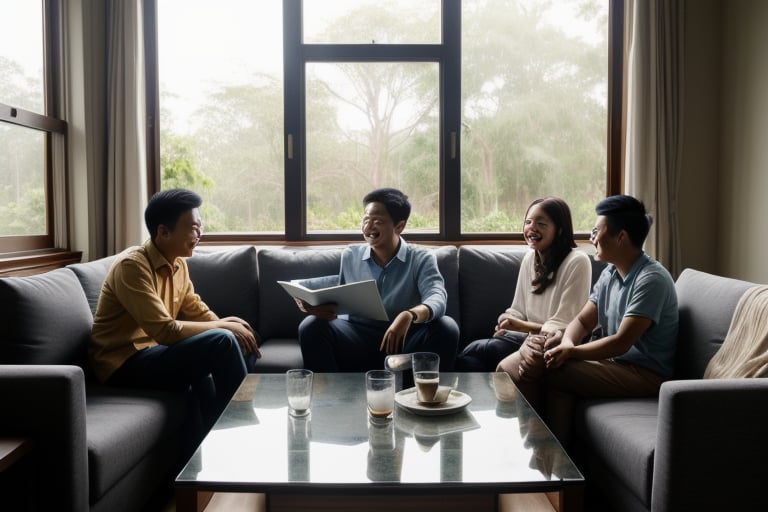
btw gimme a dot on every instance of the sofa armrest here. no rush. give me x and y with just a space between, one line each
47 403
711 447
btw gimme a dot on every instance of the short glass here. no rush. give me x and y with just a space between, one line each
380 394
299 386
426 375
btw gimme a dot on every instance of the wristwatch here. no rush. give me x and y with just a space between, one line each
414 316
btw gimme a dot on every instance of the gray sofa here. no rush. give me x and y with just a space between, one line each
98 448
701 444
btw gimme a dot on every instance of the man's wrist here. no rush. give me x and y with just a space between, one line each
414 316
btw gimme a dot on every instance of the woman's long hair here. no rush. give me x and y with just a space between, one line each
557 210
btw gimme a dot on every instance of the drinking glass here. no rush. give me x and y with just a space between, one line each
299 385
426 375
380 394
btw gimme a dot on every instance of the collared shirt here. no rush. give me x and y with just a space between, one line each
410 278
141 300
647 291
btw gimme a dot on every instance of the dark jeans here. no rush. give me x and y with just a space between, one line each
484 355
211 363
347 346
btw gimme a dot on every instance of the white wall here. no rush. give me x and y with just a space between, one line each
742 235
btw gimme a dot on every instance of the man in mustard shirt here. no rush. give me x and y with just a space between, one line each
151 330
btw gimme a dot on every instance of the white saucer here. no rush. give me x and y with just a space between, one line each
456 402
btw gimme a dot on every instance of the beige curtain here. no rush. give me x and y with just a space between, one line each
126 172
654 129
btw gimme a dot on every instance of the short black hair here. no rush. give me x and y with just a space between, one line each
166 206
627 213
396 203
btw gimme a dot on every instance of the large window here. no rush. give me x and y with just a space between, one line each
283 114
26 125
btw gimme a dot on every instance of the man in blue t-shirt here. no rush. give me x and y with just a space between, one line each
633 302
411 288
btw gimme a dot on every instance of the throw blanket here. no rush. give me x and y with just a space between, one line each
744 352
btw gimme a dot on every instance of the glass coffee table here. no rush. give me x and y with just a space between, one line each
487 452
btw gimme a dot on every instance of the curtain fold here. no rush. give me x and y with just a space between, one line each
126 172
654 128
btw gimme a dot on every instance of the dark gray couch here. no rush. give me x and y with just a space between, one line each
104 449
699 446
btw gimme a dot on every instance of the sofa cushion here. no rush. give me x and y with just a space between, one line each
278 316
622 434
706 304
91 276
45 319
227 281
123 426
487 279
278 355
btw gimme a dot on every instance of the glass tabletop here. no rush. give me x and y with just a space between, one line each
496 442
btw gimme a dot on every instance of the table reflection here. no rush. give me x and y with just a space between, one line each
299 435
385 452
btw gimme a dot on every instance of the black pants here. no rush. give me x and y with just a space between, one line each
484 355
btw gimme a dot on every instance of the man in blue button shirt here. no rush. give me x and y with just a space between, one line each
633 302
411 288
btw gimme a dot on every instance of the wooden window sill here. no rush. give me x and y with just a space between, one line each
36 262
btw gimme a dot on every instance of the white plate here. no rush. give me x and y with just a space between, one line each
456 402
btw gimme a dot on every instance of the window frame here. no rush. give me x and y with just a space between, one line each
447 54
47 123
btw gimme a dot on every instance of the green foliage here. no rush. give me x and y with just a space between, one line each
533 126
25 216
22 168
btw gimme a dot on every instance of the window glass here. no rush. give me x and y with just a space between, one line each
371 21
21 55
371 125
22 149
221 109
22 181
534 103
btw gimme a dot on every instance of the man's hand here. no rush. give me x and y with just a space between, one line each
322 311
556 356
395 335
244 333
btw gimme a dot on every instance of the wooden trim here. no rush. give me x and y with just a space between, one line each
12 449
25 264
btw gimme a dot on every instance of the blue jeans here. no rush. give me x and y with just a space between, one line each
210 363
347 346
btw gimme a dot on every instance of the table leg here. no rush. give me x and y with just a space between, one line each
190 500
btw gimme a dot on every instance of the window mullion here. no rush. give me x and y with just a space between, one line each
294 91
450 98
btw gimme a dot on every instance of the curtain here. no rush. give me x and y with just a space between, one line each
126 169
654 130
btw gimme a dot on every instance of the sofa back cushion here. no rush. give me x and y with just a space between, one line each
45 319
91 276
487 279
279 317
706 304
227 281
